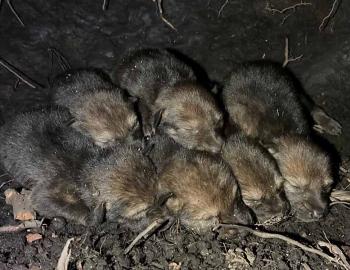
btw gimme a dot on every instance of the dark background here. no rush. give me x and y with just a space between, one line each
214 33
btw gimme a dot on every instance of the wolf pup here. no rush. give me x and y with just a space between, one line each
205 192
263 103
36 140
100 109
171 99
121 182
258 177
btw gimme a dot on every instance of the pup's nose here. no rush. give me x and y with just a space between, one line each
218 144
318 213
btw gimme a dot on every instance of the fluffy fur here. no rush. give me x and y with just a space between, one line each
166 86
101 110
258 177
307 171
262 101
37 140
205 191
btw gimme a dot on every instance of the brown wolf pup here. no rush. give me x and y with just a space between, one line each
100 109
263 103
171 99
205 192
258 177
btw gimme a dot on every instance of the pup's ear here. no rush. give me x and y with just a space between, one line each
271 147
161 199
132 99
215 88
70 122
157 118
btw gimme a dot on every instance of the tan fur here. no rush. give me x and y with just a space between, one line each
203 186
130 183
193 116
306 169
257 175
105 117
246 113
302 163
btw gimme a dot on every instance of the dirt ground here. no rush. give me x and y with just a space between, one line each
214 33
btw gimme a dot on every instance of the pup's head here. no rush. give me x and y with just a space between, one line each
258 177
105 116
126 182
191 117
205 191
307 173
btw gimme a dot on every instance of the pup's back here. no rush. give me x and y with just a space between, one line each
34 145
262 101
119 183
144 72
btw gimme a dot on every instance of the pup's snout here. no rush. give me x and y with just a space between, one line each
243 214
317 214
216 145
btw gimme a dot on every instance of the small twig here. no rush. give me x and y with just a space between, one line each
293 242
5 183
281 11
222 7
14 12
65 255
343 169
306 266
336 251
103 242
339 202
105 5
287 58
160 9
286 52
31 224
330 15
146 233
340 195
62 61
18 73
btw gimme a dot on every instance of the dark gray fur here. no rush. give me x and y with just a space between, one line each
37 140
145 72
266 96
121 181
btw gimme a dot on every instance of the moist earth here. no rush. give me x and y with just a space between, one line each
215 34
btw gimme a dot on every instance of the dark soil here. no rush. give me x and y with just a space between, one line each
243 30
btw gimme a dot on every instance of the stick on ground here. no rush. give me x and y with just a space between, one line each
160 9
15 12
65 255
151 228
337 259
105 5
287 58
20 75
31 224
62 61
330 15
340 195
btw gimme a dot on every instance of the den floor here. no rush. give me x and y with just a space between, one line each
214 33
